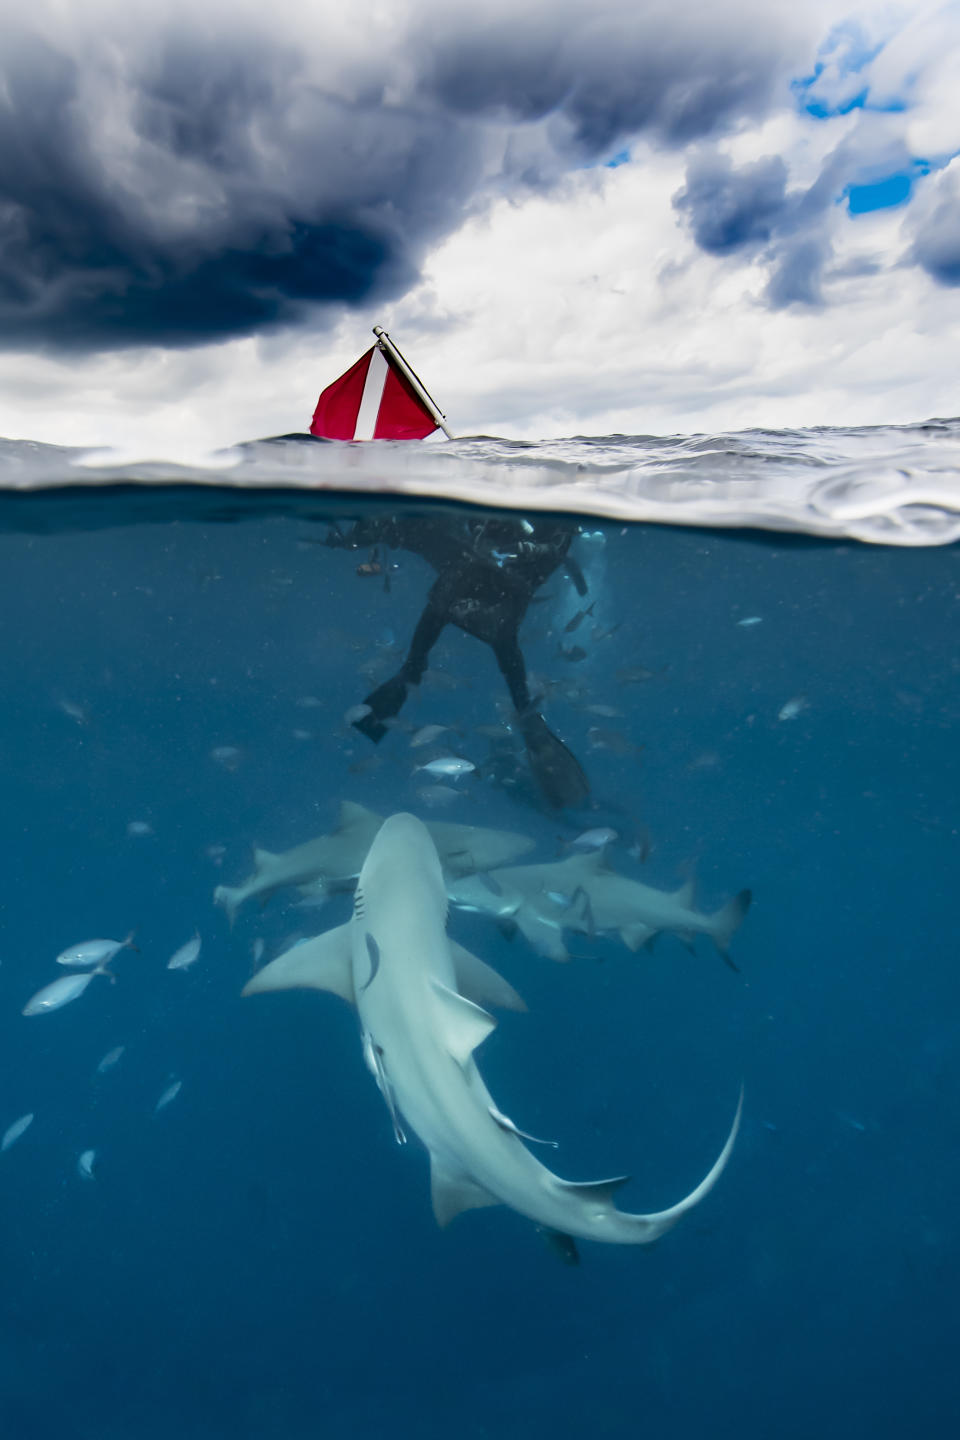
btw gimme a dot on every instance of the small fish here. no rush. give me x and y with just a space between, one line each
94 952
427 734
86 1163
301 734
578 619
310 702
750 620
215 853
61 992
793 708
79 713
598 633
450 766
356 713
229 756
111 1058
139 827
634 675
13 1132
594 839
171 1093
574 654
183 958
606 712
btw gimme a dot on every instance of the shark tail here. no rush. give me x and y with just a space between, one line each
725 923
651 1227
231 898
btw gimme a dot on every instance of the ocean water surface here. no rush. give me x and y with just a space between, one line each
747 648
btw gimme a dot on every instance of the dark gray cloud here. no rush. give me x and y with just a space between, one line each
178 182
732 209
937 245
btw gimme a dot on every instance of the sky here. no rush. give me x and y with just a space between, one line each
574 216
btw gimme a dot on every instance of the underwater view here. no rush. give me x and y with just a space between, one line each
678 894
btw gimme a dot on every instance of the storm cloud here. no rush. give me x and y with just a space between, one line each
175 181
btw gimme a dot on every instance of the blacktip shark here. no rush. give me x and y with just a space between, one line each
419 998
332 862
581 893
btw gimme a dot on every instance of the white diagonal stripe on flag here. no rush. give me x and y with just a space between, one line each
372 395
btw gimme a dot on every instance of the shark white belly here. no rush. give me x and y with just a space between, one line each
419 1000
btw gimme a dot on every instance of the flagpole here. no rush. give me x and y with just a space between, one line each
413 380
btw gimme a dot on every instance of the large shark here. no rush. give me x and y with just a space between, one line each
581 893
332 862
419 999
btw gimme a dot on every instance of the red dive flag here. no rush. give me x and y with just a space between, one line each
379 398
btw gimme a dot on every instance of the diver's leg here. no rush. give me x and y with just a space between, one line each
387 700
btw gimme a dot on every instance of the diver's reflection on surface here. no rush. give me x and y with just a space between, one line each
488 570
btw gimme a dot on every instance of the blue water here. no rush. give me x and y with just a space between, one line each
260 1259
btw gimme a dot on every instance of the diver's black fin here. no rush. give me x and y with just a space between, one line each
385 702
557 771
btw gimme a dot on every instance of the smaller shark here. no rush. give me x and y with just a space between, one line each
332 862
581 893
419 999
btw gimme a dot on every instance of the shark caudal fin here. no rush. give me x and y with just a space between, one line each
231 897
653 1226
727 921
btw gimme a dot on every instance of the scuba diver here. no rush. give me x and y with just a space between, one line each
488 570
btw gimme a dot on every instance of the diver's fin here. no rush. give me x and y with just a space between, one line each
556 769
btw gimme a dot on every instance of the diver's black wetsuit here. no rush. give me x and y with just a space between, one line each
488 570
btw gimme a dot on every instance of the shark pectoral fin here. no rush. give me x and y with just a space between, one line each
480 983
324 963
263 859
453 1191
634 936
463 1025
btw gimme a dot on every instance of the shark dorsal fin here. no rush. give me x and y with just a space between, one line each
353 814
480 983
463 1025
323 963
454 1191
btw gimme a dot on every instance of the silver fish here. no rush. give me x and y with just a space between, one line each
13 1132
451 766
60 992
793 708
183 958
111 1058
594 839
171 1093
94 952
427 734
